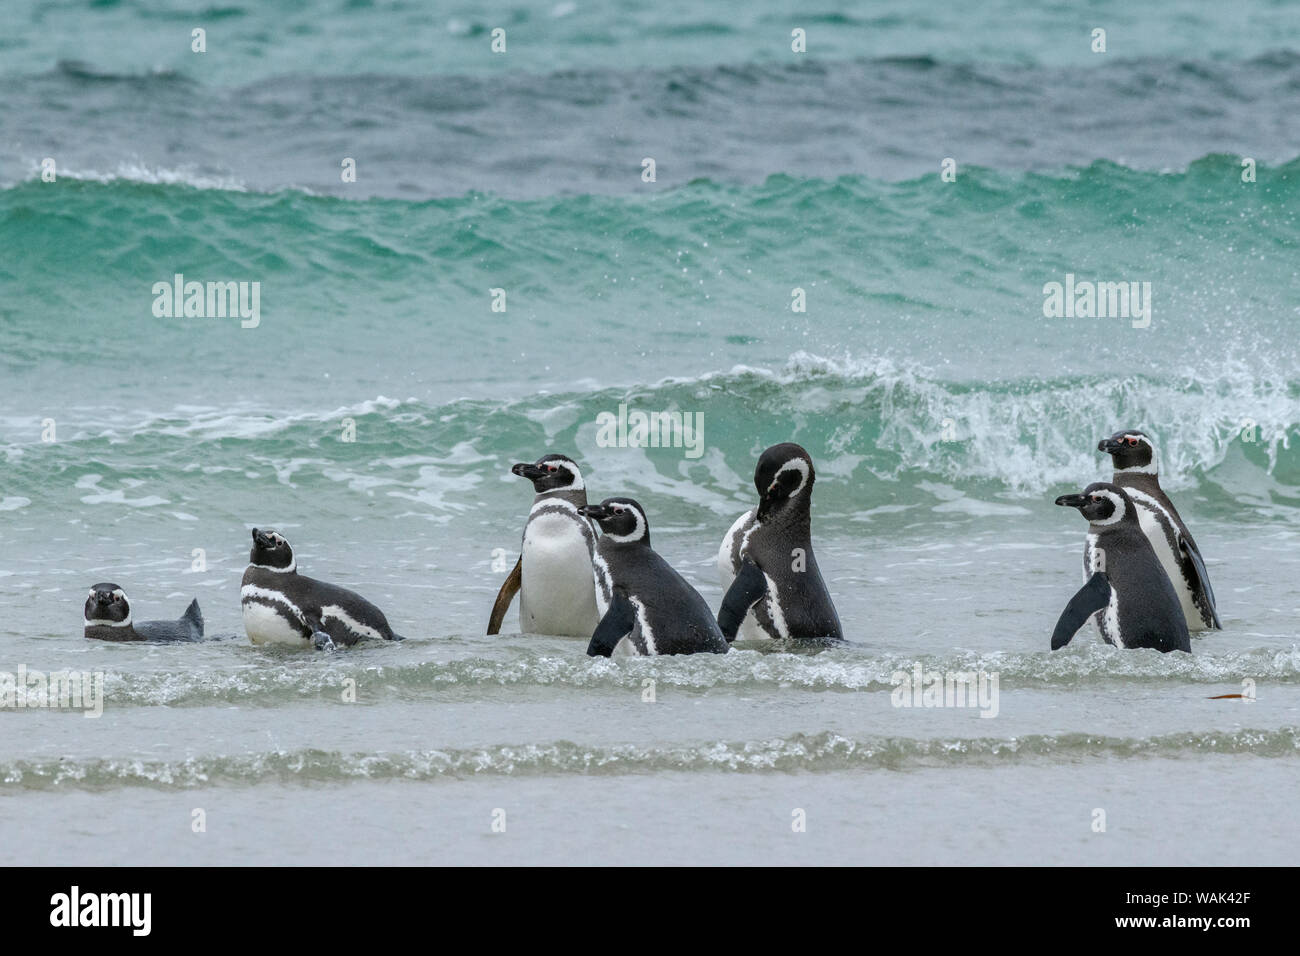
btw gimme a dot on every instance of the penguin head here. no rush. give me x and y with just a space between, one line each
271 551
1131 451
621 520
551 473
784 477
107 606
1101 503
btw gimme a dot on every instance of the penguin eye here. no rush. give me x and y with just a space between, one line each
552 468
618 511
1132 441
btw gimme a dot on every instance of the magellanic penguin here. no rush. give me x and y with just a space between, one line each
282 606
553 575
652 608
766 561
108 618
1126 592
1134 456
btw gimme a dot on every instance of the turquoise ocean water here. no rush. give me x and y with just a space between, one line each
944 411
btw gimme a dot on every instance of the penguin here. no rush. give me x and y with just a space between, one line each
769 574
108 618
1134 457
282 606
1126 592
652 609
553 576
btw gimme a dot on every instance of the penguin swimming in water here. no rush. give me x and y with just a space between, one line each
1134 457
769 574
108 618
553 575
1126 592
282 606
652 608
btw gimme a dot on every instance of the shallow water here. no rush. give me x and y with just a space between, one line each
451 726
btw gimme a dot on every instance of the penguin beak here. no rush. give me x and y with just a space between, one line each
103 598
1108 445
1072 501
260 538
594 512
527 470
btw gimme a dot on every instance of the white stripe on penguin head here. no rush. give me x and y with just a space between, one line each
1117 501
637 533
578 483
98 622
1150 468
794 464
279 539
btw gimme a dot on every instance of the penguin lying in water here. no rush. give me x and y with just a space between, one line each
553 575
1126 592
1134 457
282 606
770 576
108 618
652 608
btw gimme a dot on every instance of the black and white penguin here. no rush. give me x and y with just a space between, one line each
1126 592
108 618
1134 457
553 575
652 608
769 574
282 606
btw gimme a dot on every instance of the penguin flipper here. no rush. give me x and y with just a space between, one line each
1091 598
613 627
1202 577
320 636
507 594
749 586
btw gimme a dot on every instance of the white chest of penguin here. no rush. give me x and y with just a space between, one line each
265 625
557 587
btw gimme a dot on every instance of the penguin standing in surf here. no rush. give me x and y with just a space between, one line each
108 618
1126 592
1134 457
772 585
652 609
553 576
281 606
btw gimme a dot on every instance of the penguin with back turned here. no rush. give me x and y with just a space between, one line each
773 587
1136 471
1126 592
